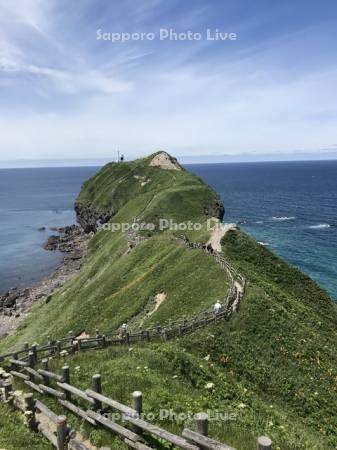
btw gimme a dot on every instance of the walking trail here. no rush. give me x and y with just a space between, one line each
218 233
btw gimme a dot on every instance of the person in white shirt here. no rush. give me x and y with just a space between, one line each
123 330
217 307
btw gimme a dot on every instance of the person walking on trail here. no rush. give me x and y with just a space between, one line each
210 248
217 308
123 330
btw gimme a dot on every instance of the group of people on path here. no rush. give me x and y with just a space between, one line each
123 329
206 247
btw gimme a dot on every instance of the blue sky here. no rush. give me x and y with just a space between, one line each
64 94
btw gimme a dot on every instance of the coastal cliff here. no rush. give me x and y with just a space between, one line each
90 217
272 364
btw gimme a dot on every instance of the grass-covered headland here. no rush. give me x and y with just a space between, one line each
271 369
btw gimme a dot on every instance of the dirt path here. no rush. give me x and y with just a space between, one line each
158 301
219 232
50 426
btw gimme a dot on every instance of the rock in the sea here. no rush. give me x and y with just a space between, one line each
8 300
66 241
41 228
52 243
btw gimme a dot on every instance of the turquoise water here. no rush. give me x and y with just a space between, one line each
291 207
29 199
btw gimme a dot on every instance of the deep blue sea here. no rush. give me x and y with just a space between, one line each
291 207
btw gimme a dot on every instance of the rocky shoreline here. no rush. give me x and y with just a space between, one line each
15 304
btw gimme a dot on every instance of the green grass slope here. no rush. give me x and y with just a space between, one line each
271 368
149 192
115 285
14 435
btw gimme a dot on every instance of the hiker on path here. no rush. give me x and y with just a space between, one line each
123 330
217 308
210 248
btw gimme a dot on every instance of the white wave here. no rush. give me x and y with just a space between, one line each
259 222
265 244
321 225
283 218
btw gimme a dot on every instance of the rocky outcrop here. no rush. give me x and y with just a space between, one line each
66 240
90 217
217 210
165 161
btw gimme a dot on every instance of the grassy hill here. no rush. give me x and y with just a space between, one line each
272 365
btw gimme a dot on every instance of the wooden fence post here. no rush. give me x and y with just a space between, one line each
50 344
97 387
30 411
137 402
103 341
264 443
58 347
62 432
8 388
16 357
34 350
74 346
31 359
202 423
147 335
66 379
45 367
127 339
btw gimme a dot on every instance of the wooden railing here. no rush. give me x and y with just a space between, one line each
130 427
22 365
73 344
169 330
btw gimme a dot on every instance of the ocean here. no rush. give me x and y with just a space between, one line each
30 199
289 206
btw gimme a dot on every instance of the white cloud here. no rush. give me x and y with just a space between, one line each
93 103
224 117
31 13
69 82
15 59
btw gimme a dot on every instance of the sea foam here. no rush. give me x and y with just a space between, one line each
321 225
283 218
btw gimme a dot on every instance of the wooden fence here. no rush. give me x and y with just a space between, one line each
22 366
73 344
169 330
131 426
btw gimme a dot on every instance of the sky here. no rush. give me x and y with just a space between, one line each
70 92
